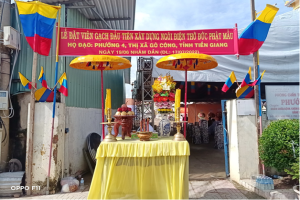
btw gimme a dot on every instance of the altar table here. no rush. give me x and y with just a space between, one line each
131 169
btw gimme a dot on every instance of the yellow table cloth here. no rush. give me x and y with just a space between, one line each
131 169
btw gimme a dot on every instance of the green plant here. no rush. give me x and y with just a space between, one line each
294 170
275 144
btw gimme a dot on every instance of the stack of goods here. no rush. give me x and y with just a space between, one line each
124 111
197 139
164 93
204 131
219 136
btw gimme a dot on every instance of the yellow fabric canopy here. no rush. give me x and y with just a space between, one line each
91 62
193 61
132 169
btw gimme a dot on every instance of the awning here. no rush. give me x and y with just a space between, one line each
279 56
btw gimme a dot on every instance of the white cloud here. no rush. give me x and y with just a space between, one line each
194 14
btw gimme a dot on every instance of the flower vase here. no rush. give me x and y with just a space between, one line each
164 127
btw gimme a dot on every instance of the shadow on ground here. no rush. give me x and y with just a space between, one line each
222 189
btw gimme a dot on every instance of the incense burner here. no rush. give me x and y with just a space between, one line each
144 136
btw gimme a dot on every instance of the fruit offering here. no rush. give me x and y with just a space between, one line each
124 111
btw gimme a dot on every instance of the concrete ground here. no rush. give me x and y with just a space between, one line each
206 163
221 189
207 178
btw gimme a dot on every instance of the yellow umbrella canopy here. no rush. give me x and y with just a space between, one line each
187 61
100 62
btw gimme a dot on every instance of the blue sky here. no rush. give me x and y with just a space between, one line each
195 14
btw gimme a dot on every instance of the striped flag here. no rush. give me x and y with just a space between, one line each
253 37
42 78
229 82
25 82
63 84
258 80
208 89
44 94
193 87
38 20
245 92
181 85
247 78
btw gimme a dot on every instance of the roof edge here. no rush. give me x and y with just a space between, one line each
289 3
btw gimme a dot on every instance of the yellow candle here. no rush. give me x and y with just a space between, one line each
107 100
105 105
108 95
177 98
177 102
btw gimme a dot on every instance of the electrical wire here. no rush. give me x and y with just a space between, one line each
12 112
1 121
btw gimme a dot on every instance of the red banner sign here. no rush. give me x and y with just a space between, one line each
78 42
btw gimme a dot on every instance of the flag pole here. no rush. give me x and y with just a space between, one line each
237 82
54 86
256 90
260 107
54 96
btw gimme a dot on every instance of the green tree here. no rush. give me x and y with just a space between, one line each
275 144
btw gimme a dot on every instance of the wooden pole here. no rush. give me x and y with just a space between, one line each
54 98
30 132
256 92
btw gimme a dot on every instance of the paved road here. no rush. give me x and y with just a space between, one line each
216 189
219 189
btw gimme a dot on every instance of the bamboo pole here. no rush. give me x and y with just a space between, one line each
256 89
30 132
54 97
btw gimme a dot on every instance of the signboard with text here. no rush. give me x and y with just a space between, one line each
78 42
282 102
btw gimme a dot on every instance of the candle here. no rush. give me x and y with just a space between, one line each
107 100
108 94
141 125
144 122
105 110
177 103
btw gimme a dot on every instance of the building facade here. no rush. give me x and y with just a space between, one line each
79 114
